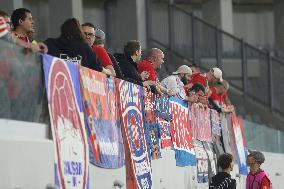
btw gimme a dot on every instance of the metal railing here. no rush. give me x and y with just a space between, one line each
184 36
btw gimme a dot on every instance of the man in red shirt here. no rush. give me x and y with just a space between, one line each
195 68
96 41
150 65
23 24
219 99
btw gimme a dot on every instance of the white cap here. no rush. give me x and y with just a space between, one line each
217 73
183 69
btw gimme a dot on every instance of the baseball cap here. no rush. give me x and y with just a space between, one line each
100 34
3 27
183 69
217 73
258 156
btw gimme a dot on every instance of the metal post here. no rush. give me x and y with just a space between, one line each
244 67
193 39
217 46
270 74
171 25
148 22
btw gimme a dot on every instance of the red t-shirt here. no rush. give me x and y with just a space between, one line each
102 55
199 78
215 96
146 65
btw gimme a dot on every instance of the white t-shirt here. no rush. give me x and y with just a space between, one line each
174 83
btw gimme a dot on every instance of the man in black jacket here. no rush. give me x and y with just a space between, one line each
71 46
223 179
128 63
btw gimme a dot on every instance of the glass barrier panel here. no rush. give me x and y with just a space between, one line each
182 38
205 43
260 137
278 90
22 91
159 21
231 58
257 74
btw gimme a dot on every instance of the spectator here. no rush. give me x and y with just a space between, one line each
23 24
3 27
214 75
219 99
195 68
6 35
6 18
71 46
198 90
150 64
176 82
128 63
257 178
89 31
223 179
100 41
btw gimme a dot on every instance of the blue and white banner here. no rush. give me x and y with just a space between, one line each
138 167
67 123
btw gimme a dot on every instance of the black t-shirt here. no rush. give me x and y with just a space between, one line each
222 180
128 68
73 50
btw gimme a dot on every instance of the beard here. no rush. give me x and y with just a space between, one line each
184 80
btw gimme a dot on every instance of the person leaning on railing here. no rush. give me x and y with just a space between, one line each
91 37
6 36
218 98
214 75
128 61
71 46
150 65
176 82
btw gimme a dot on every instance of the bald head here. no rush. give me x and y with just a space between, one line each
156 56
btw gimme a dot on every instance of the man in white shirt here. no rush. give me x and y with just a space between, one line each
176 83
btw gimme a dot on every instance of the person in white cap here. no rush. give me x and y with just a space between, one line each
214 75
219 99
176 83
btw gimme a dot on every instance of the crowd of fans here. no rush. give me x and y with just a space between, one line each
84 44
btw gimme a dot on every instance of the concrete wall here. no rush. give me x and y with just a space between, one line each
255 27
27 162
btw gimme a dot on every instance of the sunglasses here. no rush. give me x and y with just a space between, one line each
89 34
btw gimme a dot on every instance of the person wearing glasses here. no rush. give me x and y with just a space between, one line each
90 36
